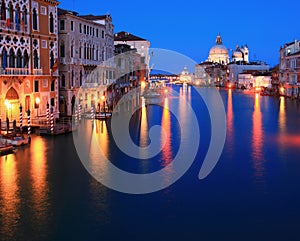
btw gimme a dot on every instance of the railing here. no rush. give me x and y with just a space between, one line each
14 71
38 71
14 27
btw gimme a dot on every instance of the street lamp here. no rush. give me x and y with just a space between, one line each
36 105
103 99
6 102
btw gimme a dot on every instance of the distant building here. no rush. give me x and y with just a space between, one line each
185 76
289 67
141 45
85 43
219 53
28 57
241 54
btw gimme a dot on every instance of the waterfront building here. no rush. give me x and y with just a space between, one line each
289 68
141 45
218 53
86 45
28 57
254 79
236 68
130 70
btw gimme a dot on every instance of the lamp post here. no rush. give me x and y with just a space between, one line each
6 102
36 105
103 99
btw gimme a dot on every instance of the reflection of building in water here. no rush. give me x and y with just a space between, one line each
257 141
230 118
166 130
9 196
40 189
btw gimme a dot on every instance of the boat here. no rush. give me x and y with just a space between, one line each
6 149
102 115
14 140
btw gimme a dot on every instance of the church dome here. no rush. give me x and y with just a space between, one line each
237 54
219 53
218 49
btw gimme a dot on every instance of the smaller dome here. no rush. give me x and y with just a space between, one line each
237 54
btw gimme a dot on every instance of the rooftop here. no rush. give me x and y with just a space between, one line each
125 36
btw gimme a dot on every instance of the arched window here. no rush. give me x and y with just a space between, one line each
34 19
12 58
62 49
11 12
80 51
24 17
35 59
17 17
4 59
51 59
72 50
80 78
3 13
26 60
63 81
72 79
51 21
19 59
84 51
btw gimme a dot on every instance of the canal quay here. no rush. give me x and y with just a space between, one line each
46 193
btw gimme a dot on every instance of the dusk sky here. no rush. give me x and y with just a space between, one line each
190 27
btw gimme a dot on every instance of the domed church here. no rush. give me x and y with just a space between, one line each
219 53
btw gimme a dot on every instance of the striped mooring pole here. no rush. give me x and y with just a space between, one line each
21 119
28 125
52 121
92 113
48 114
76 116
79 114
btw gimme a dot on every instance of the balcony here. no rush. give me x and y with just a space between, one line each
37 71
14 27
14 71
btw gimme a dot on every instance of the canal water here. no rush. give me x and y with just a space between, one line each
252 194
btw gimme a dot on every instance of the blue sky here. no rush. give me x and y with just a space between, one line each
190 27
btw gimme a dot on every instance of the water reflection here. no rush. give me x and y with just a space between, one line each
229 120
257 142
166 130
282 115
9 197
143 126
40 188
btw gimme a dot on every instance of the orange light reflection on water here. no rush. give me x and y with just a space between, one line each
257 141
9 195
38 171
230 118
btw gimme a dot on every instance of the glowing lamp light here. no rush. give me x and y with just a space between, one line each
166 91
229 86
143 84
7 104
37 100
103 97
282 90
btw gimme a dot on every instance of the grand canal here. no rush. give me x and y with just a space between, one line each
252 194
